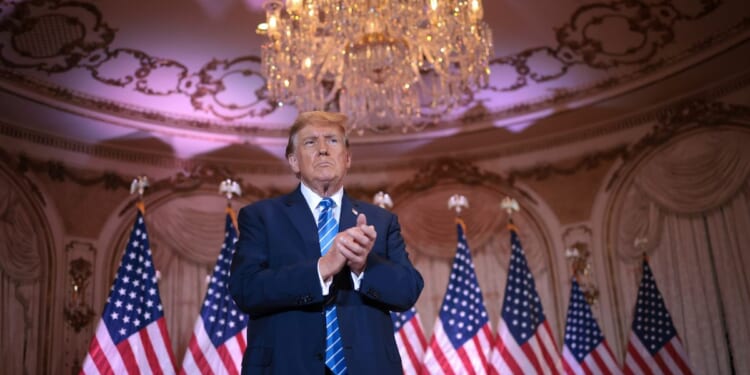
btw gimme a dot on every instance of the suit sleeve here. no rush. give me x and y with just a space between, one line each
259 289
390 278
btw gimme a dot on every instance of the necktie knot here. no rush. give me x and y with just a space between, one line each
325 203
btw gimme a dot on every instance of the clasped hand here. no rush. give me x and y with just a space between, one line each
350 248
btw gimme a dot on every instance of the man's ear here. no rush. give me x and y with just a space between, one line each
293 163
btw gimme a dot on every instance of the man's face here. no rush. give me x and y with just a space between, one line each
320 157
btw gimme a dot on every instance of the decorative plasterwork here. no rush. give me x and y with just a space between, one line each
651 25
84 40
682 117
77 312
199 176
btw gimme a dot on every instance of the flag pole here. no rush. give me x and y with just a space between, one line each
139 186
462 338
641 243
524 342
133 314
229 188
458 203
218 342
510 205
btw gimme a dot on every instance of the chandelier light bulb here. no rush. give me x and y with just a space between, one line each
388 66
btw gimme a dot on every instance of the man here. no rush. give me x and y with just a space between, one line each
314 260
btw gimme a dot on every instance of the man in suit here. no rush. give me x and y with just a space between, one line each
317 271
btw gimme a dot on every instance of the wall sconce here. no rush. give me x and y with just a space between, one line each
579 255
77 313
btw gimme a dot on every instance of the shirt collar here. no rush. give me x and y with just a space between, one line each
313 199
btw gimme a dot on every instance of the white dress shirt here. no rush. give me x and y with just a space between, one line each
313 200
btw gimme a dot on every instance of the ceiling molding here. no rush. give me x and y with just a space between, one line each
279 167
679 119
90 46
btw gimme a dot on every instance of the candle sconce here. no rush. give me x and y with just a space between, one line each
77 313
579 255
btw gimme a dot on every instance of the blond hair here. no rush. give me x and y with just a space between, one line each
315 117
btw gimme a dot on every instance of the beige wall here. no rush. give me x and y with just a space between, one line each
53 214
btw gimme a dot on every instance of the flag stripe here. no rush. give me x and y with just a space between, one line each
411 360
99 359
595 361
549 348
469 369
570 364
585 350
233 348
226 359
131 336
128 358
218 341
608 359
163 348
410 340
483 346
404 353
138 348
653 344
507 353
241 342
442 351
586 369
524 337
660 362
148 348
639 353
511 362
105 355
674 347
197 358
531 350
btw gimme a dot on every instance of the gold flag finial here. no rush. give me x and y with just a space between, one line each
510 206
458 202
139 186
383 200
230 188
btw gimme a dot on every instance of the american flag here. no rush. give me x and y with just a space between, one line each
524 343
407 327
462 337
585 351
653 344
131 337
218 340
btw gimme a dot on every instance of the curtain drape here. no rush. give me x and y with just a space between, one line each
690 202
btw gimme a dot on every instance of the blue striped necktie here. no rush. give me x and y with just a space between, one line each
327 230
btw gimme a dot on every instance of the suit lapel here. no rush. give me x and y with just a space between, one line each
349 212
303 221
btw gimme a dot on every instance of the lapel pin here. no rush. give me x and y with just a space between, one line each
355 212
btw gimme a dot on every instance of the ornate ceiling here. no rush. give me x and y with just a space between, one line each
182 78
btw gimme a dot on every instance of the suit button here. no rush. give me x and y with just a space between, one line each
320 356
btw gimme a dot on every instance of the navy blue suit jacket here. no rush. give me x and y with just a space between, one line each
274 279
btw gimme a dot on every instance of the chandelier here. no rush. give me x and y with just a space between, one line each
387 65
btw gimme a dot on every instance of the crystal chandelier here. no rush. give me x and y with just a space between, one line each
385 64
